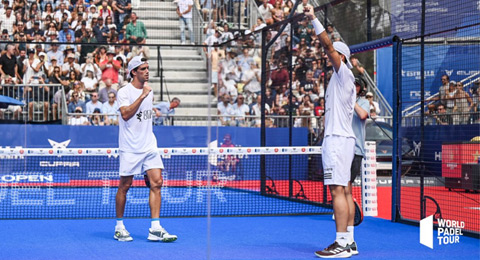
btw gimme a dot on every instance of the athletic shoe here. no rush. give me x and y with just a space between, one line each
160 235
122 235
334 251
353 248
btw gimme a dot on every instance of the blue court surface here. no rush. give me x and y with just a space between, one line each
283 237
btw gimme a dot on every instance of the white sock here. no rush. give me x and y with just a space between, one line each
119 224
350 232
156 224
342 238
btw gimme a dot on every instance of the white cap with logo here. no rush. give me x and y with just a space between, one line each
135 63
343 49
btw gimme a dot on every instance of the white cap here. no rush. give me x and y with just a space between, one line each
369 94
343 49
134 63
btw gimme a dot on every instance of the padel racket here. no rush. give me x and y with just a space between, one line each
358 214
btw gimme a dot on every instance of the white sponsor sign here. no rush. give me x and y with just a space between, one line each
369 181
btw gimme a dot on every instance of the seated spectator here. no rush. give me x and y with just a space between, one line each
240 109
225 111
59 14
70 65
140 49
90 82
55 77
136 29
308 85
35 30
62 35
110 69
334 36
255 110
98 119
164 110
10 91
302 6
93 104
101 32
37 96
78 119
74 103
442 118
251 79
91 65
266 11
110 108
104 92
279 77
55 53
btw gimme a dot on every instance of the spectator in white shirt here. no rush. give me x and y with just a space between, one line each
111 107
225 110
241 110
373 104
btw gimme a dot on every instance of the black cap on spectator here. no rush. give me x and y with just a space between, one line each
32 16
8 7
84 22
36 23
5 31
100 18
30 51
96 110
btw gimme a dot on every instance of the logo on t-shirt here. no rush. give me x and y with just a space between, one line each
139 116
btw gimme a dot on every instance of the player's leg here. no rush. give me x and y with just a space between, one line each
355 171
130 164
335 152
155 197
121 233
153 165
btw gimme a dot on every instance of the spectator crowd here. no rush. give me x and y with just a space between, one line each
235 61
71 43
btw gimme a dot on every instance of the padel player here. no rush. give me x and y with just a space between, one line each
138 149
339 141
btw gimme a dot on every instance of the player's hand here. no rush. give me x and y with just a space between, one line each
146 90
308 11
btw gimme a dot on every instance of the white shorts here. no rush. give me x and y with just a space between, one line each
138 163
337 157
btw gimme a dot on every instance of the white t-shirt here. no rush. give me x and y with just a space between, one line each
183 6
136 134
340 103
78 120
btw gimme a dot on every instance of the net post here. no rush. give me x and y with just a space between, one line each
396 80
422 108
262 128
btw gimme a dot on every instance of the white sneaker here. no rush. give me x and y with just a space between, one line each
122 235
182 43
160 235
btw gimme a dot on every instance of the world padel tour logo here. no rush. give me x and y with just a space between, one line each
449 231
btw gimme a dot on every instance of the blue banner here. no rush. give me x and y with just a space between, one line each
440 15
458 62
56 136
434 136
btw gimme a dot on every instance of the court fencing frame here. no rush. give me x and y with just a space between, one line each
422 202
